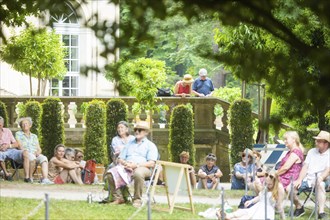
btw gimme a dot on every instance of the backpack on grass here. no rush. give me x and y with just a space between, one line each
89 171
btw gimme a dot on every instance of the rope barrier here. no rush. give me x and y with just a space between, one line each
35 210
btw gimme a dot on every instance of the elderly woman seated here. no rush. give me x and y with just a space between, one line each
62 170
209 174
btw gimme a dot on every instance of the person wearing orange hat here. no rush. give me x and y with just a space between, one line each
183 87
317 162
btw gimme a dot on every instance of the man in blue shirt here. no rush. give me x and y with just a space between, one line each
203 85
137 159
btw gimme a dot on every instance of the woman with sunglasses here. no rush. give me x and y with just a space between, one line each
239 177
260 202
209 174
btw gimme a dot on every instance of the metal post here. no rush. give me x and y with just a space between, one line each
291 198
316 194
46 206
266 191
246 173
222 203
149 206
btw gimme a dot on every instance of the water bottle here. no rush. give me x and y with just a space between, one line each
89 197
228 208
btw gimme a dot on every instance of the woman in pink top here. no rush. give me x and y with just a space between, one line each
291 164
183 87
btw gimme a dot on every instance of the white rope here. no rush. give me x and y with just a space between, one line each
34 211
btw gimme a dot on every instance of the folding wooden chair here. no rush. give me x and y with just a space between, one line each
271 154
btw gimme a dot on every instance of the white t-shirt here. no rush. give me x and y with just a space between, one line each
317 163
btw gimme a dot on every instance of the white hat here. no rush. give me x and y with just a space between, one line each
323 135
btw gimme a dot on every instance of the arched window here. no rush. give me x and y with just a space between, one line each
66 24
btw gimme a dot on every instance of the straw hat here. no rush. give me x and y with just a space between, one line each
323 135
187 78
202 72
142 125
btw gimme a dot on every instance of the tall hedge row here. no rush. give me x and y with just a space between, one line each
51 126
3 113
94 137
241 128
181 134
116 111
33 110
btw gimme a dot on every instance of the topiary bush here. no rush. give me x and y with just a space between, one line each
51 126
4 114
94 137
241 128
181 134
116 111
33 110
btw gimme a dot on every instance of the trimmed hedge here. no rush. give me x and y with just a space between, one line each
33 110
181 134
51 126
94 137
241 128
4 114
116 112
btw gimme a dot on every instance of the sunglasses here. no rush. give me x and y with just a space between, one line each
139 130
269 175
243 155
211 157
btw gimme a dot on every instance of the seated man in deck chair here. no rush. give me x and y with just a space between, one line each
134 163
317 162
9 149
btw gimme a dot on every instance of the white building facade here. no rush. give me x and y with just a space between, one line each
83 49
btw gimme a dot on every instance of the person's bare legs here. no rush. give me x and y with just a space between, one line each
3 167
215 185
26 163
44 169
74 177
280 201
78 173
204 183
193 180
321 196
32 168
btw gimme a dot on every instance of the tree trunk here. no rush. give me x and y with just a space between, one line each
30 77
38 91
322 120
43 86
265 113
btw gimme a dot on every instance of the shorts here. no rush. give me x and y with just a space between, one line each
13 154
40 159
304 185
58 180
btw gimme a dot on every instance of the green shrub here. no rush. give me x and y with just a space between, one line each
116 112
3 113
181 136
51 126
241 128
33 110
94 137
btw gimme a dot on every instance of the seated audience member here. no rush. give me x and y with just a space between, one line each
184 158
290 165
317 162
122 138
183 87
260 171
79 156
69 154
136 161
243 171
10 149
29 141
257 211
202 86
209 174
62 170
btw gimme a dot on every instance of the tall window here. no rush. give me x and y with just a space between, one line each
66 25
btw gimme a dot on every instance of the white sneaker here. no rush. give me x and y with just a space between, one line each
46 181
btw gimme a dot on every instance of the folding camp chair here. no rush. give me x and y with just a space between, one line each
16 166
310 194
271 154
